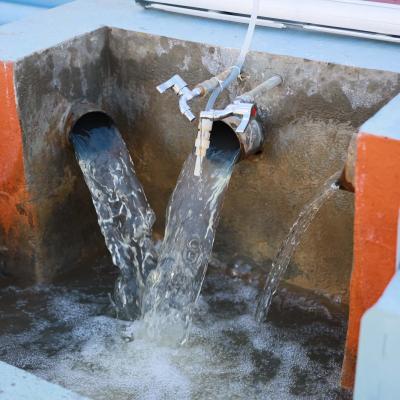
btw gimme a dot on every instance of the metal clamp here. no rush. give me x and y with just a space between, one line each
237 108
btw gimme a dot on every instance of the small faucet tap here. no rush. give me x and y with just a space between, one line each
176 83
180 87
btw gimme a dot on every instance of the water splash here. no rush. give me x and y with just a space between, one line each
286 250
192 218
296 355
124 215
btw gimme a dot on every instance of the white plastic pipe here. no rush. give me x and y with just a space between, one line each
240 61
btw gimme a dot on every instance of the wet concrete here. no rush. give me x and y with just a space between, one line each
309 121
67 234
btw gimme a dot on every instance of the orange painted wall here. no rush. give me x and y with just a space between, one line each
377 205
16 218
11 167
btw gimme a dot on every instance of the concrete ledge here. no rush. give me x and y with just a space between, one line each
386 122
57 25
17 384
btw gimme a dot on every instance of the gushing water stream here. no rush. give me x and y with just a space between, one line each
164 297
124 215
164 291
192 218
288 247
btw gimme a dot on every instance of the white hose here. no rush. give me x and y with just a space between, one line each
240 61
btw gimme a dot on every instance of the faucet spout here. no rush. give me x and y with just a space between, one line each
184 107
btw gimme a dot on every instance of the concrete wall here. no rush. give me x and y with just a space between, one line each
309 122
47 84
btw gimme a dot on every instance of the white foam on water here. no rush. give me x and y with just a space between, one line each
228 355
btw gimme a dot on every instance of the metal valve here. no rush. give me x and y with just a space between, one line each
180 87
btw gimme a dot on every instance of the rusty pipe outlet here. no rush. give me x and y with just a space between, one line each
252 139
74 113
241 118
347 179
224 135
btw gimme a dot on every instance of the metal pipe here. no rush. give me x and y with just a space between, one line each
209 85
241 118
269 84
236 69
251 140
347 179
74 113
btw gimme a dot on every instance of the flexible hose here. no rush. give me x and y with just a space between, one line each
240 61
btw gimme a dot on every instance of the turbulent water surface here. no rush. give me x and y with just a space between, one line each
63 334
164 296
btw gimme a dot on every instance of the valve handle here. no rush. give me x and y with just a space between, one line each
176 83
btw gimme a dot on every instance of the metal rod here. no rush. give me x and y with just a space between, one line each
269 84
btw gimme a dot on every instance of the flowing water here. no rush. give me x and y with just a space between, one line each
286 250
124 215
164 293
192 218
63 333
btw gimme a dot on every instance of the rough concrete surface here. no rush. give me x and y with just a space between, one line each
309 121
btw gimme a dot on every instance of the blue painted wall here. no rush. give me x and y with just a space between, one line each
12 10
